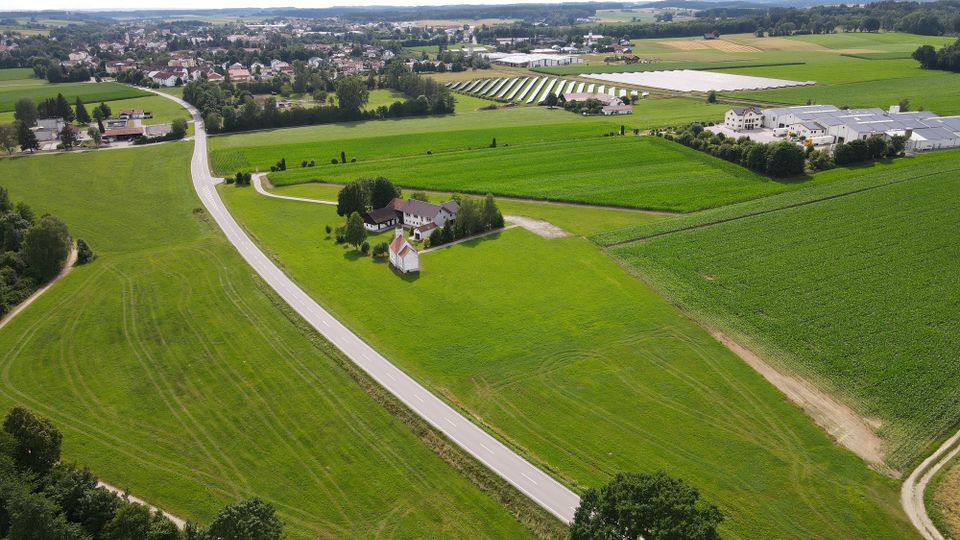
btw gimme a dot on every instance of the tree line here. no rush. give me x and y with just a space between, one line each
947 58
42 498
227 107
924 18
784 159
32 251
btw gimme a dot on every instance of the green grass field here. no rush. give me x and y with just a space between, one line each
19 77
586 370
638 172
460 131
164 110
88 92
860 83
580 220
172 373
830 184
857 292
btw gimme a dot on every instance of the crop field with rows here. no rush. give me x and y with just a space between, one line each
638 172
859 293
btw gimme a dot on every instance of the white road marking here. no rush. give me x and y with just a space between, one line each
530 479
449 421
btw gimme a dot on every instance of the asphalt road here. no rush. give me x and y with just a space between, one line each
531 481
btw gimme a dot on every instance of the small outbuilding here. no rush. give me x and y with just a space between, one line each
403 256
380 219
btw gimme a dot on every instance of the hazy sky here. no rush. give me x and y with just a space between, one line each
214 4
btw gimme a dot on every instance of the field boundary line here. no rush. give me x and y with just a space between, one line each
768 210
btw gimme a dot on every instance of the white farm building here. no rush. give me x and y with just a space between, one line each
533 60
403 256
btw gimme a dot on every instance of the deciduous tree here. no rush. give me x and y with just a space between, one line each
37 440
784 159
382 191
351 199
355 232
651 507
250 519
352 94
25 110
8 137
45 248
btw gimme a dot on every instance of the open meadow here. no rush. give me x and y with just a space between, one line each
854 290
174 373
584 369
467 129
576 219
88 92
639 172
19 77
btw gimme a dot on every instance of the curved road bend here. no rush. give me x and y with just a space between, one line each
257 182
531 481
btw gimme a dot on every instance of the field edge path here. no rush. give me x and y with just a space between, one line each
540 487
914 487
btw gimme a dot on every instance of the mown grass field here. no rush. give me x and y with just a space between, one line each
638 172
586 370
164 111
579 220
19 77
464 130
373 146
856 292
88 92
859 82
172 373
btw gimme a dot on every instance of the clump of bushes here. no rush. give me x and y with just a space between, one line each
380 250
474 217
279 166
784 158
84 253
242 179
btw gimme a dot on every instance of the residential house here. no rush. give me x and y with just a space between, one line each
743 118
416 213
120 65
403 256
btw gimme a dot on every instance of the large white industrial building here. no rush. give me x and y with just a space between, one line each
924 130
